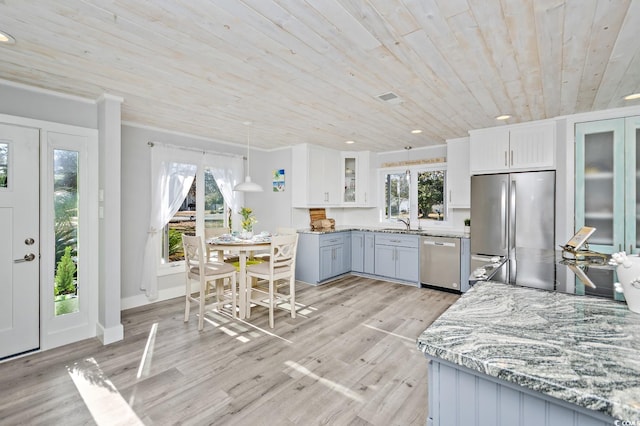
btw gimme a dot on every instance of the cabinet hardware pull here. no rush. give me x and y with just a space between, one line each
505 159
511 158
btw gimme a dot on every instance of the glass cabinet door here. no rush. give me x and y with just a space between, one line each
632 184
349 165
600 189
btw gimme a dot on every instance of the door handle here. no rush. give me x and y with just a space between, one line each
27 258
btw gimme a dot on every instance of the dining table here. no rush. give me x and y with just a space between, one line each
243 247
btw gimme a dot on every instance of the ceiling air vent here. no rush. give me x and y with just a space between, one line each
390 97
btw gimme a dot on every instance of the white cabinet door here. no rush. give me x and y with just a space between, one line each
354 172
323 165
315 176
458 175
349 171
532 147
488 150
513 148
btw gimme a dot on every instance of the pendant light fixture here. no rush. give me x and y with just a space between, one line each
247 185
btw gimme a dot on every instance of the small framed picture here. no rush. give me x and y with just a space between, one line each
278 180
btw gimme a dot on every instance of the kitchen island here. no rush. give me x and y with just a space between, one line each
505 354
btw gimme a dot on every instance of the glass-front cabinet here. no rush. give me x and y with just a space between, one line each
607 173
349 164
354 176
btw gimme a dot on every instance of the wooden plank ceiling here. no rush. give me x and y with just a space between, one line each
312 70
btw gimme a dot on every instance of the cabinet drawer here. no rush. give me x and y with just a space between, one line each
398 240
332 239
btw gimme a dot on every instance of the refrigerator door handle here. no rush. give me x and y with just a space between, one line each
512 215
503 215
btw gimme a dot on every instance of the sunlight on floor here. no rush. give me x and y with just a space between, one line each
101 397
147 355
326 382
225 322
390 333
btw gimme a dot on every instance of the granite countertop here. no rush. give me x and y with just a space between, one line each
581 349
421 232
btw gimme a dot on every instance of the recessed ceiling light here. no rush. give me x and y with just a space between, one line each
6 38
503 117
349 142
416 131
632 97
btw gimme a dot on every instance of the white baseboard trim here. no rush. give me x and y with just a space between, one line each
142 299
109 335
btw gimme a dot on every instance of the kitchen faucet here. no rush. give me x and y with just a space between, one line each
406 222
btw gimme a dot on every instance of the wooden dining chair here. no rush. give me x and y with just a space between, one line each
197 268
281 266
285 231
212 233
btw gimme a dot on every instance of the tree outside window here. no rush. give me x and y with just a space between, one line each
431 195
422 188
184 221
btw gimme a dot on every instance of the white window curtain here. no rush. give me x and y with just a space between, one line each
170 183
228 172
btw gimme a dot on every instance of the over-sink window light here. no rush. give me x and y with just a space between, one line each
247 185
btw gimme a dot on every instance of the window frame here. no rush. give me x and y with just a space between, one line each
169 268
413 193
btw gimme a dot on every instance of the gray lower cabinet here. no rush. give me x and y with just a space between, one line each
459 396
362 252
397 256
323 256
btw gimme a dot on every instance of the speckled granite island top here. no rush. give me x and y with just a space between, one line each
580 349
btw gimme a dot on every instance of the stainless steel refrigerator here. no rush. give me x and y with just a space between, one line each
513 217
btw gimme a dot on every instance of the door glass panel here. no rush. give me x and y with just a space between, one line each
598 186
65 199
4 165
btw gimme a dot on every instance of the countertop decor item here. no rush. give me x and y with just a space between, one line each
628 270
247 185
319 220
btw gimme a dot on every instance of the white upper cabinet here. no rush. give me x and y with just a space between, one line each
458 175
355 178
316 176
520 147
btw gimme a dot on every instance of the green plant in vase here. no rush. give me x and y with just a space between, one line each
248 220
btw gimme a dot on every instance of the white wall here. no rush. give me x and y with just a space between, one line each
30 102
272 209
136 199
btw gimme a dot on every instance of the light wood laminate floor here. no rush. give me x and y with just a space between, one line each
349 357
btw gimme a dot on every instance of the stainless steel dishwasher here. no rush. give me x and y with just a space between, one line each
440 262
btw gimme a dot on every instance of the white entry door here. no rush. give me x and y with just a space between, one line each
19 240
